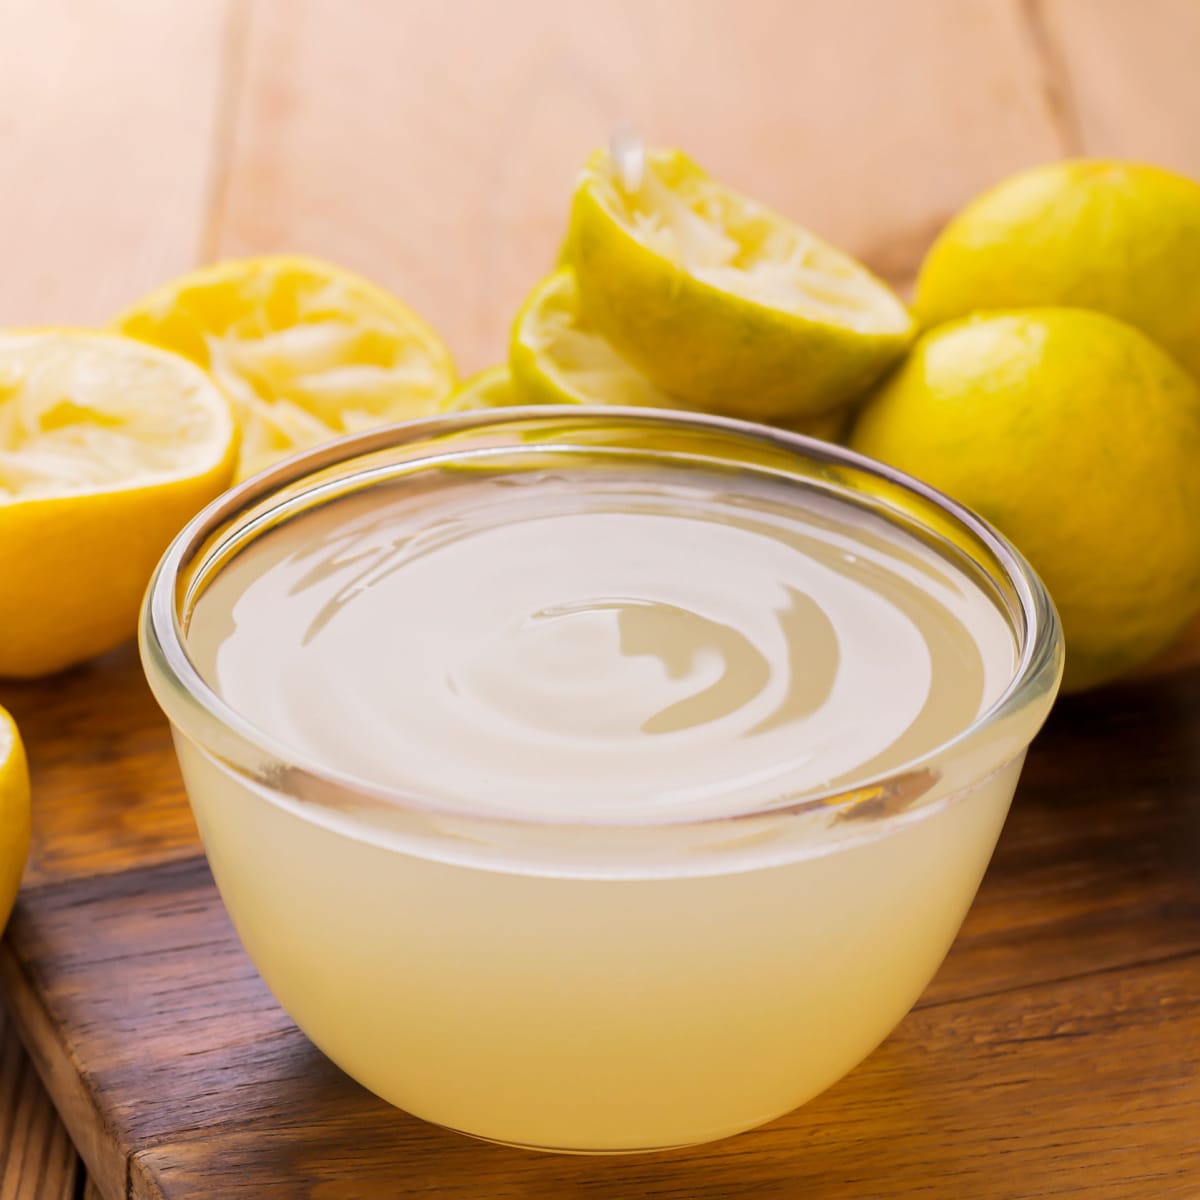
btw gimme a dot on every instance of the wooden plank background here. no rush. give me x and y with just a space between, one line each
432 144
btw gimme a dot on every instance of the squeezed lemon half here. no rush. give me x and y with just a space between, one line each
720 302
305 350
107 447
556 356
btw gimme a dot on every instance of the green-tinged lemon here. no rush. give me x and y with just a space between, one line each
720 302
557 356
1077 437
1118 237
306 350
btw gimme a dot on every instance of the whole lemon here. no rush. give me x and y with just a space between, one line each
1078 438
1118 237
14 814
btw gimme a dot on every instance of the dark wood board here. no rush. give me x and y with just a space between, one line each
40 1161
1057 1053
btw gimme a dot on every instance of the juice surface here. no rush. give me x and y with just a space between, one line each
661 646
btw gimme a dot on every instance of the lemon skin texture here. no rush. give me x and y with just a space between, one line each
1122 238
1079 439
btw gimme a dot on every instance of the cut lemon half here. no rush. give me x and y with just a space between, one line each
14 814
107 447
557 356
719 301
490 388
306 351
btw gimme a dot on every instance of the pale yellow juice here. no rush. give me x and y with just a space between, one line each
561 881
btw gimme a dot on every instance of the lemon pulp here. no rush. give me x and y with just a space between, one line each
307 351
719 301
558 357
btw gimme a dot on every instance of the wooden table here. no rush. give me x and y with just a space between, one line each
432 145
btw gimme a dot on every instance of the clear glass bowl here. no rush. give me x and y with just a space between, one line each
599 987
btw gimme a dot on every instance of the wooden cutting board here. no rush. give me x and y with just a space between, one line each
1056 1054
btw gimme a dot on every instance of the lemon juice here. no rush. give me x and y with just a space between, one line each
598 802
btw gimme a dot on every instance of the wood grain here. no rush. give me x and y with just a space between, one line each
1063 1003
108 115
1129 75
38 1161
981 1099
106 788
59 1070
1099 864
438 154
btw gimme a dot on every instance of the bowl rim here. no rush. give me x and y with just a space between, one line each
195 708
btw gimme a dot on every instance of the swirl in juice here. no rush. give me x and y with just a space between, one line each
514 644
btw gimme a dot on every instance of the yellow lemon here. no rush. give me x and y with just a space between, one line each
107 447
720 302
825 427
306 351
14 814
489 388
557 356
1080 439
1118 237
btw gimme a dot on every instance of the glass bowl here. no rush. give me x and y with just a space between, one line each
593 985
